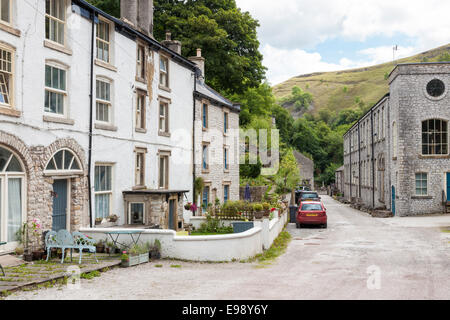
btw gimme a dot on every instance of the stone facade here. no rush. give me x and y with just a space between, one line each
383 156
306 167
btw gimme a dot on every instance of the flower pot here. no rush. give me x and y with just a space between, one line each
37 255
28 257
155 255
259 214
100 249
135 260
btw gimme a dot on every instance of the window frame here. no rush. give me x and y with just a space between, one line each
141 66
103 41
141 110
103 192
226 159
140 154
434 146
10 75
58 21
165 117
422 180
165 157
166 84
226 122
205 157
226 185
108 103
10 13
64 93
205 115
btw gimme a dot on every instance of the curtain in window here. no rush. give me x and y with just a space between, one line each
102 205
14 207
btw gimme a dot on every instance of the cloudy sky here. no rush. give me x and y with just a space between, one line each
304 36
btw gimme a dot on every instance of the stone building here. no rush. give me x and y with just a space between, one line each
397 155
216 133
306 167
339 180
96 118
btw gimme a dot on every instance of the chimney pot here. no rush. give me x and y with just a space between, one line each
199 52
168 35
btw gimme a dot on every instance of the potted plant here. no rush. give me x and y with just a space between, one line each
100 246
188 206
138 254
155 250
37 251
266 208
258 208
109 247
98 221
113 218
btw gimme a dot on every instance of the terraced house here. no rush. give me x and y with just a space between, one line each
397 155
96 118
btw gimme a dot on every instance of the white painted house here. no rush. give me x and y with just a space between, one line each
86 95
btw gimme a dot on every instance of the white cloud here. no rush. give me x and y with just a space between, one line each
290 28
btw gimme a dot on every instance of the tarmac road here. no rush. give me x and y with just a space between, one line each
357 257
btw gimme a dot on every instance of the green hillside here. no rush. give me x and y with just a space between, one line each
346 89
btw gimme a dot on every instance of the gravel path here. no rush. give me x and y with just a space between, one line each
333 263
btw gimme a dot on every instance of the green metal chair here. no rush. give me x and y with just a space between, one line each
3 271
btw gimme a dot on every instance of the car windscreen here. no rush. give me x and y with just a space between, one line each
310 196
311 207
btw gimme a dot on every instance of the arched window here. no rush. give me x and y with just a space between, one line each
12 182
64 161
434 137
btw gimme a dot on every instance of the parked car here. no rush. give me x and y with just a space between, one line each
306 196
312 213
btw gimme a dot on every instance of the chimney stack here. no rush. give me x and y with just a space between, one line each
173 45
138 13
128 11
199 61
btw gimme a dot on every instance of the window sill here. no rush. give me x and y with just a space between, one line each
9 29
164 88
105 65
10 112
139 79
226 171
139 188
59 120
421 197
58 47
394 158
164 134
105 126
141 130
444 156
204 129
205 171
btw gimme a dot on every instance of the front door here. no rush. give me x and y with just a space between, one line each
393 200
448 186
59 205
172 213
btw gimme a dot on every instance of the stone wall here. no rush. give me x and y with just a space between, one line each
257 193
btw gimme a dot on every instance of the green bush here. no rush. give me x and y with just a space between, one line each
213 225
257 207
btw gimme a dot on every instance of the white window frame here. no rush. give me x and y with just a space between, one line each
51 172
100 100
64 93
163 125
6 73
105 42
129 212
141 66
139 167
165 156
58 21
141 110
104 192
421 180
9 23
164 74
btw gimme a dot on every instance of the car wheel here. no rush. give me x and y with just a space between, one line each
297 225
324 226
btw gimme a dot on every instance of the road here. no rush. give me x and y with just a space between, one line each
357 257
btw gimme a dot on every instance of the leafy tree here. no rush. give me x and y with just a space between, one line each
284 122
288 175
298 99
109 6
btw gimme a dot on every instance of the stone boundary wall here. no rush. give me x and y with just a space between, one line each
217 248
257 193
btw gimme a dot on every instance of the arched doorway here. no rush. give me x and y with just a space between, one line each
62 167
12 197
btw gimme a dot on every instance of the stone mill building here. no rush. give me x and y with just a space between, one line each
396 156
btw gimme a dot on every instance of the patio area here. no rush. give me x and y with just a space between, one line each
37 274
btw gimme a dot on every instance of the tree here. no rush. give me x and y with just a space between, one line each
288 175
298 99
111 7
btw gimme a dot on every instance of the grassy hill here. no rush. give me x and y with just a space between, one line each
344 89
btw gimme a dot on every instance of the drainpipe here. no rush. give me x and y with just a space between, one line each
359 158
350 144
193 138
91 117
373 161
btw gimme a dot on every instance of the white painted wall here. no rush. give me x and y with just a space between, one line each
115 147
239 246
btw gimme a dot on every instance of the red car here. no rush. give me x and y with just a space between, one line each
312 213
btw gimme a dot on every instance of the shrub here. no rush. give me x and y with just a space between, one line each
266 206
257 207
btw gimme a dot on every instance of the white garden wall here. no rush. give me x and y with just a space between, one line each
239 246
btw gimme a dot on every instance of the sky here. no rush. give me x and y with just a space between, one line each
304 36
